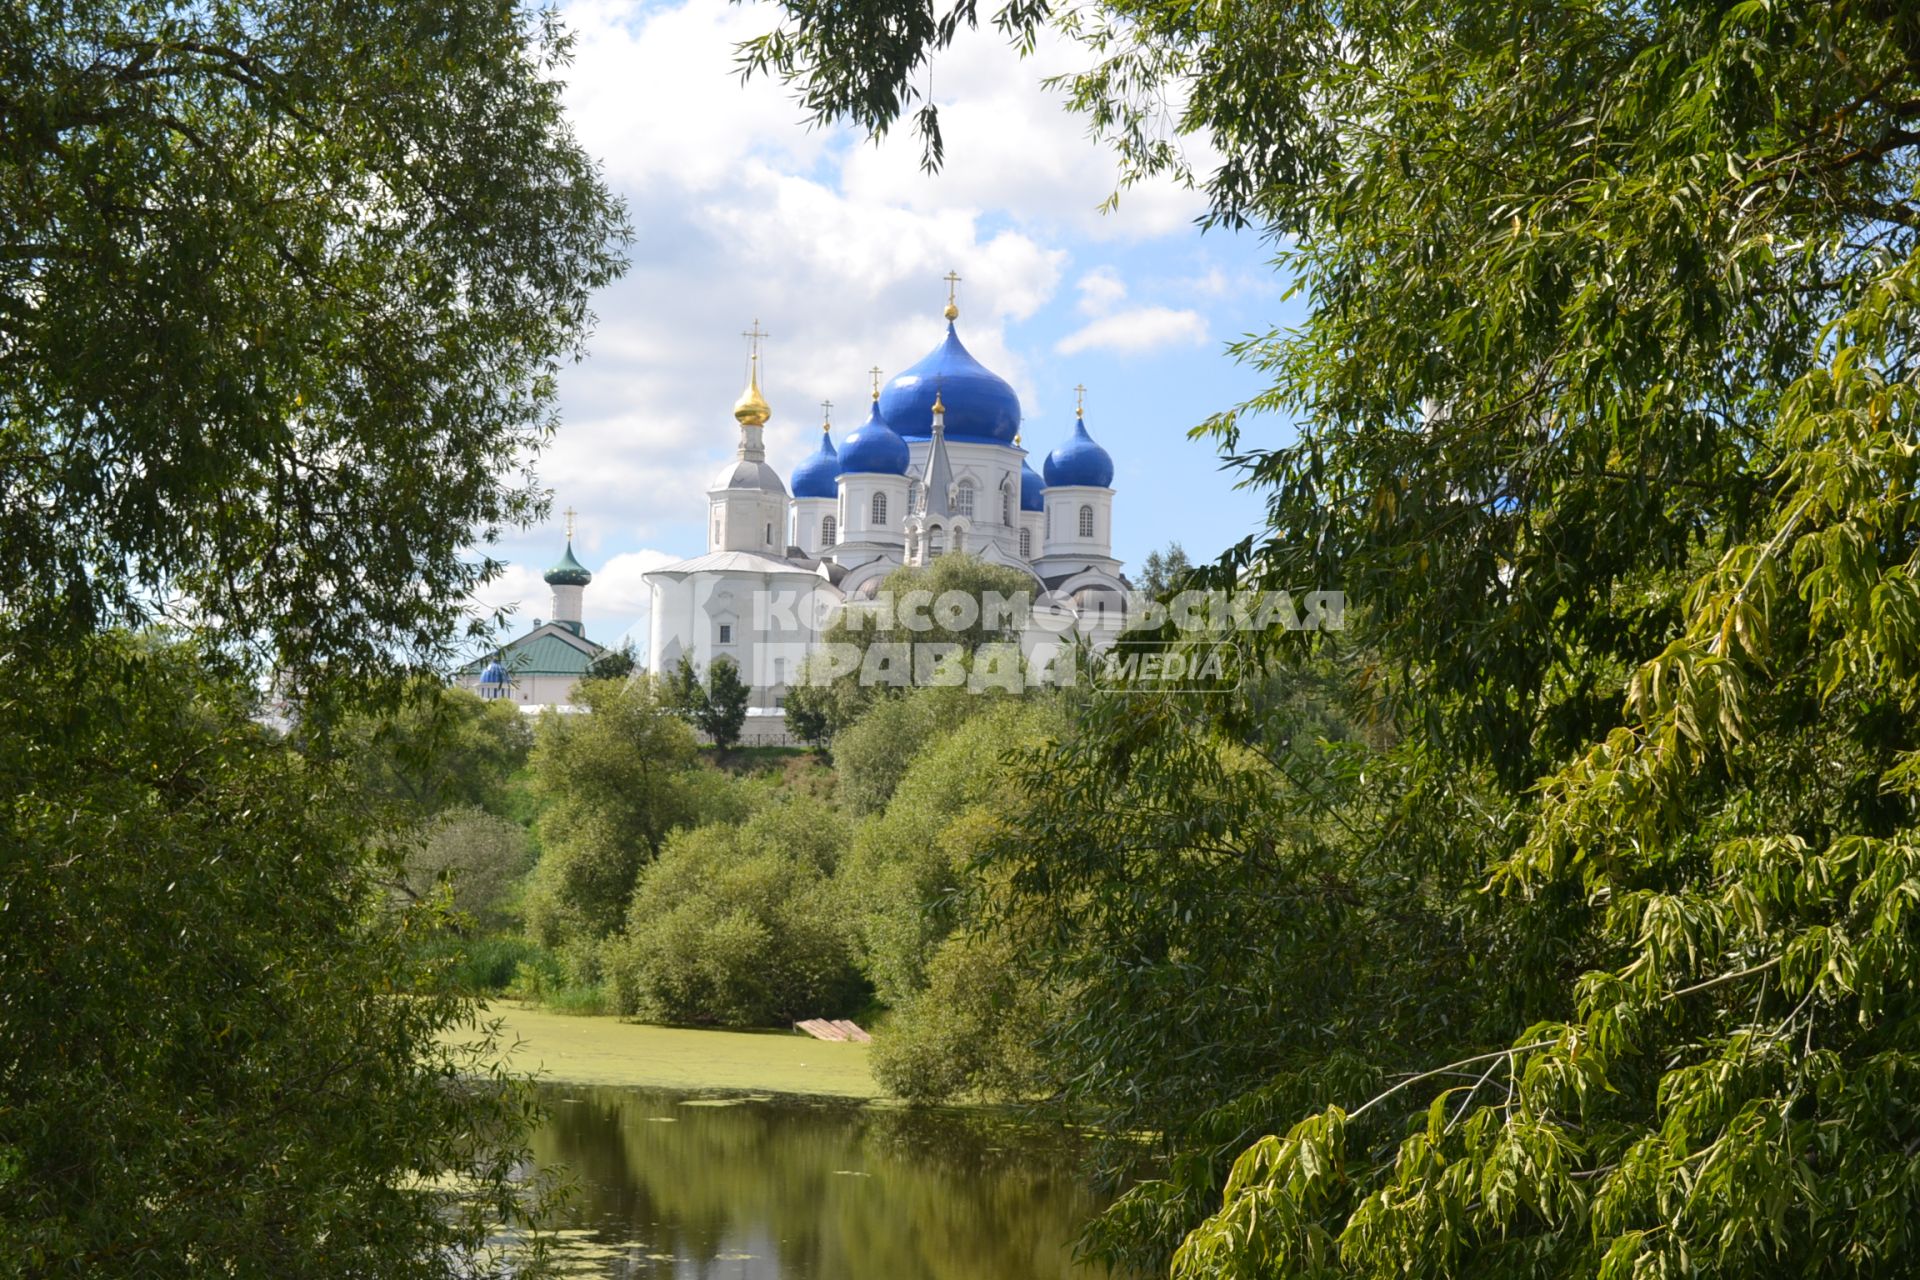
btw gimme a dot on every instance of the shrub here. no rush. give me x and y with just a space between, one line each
970 1031
740 925
537 976
874 754
478 854
481 965
616 782
908 867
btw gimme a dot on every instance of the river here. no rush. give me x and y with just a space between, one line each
757 1187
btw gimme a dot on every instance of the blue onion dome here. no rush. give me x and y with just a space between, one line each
494 674
1032 487
980 404
874 447
569 572
815 476
1079 461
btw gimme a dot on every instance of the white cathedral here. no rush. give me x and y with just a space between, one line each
937 467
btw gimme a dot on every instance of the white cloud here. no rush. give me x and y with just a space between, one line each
655 95
1101 289
518 588
1012 145
619 588
1213 284
1136 330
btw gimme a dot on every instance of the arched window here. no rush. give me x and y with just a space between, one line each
1026 544
879 510
963 500
1086 522
913 497
829 532
1006 506
934 544
769 533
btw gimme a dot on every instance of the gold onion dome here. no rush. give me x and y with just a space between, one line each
751 409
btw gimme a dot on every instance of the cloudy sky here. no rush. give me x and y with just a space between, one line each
837 246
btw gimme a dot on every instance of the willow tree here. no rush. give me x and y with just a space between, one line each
1605 406
283 293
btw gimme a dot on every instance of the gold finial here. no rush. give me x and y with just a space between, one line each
1080 401
938 407
751 409
875 371
1016 439
570 514
953 308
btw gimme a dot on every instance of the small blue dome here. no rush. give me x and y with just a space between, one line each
1080 461
494 674
874 446
1032 489
815 475
981 405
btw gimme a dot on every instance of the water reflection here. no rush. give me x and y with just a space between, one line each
792 1189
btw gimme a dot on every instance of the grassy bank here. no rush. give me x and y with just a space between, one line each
608 1051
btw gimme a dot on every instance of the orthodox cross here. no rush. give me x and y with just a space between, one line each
1080 400
875 371
953 280
753 337
570 515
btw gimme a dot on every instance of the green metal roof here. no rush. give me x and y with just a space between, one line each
542 653
569 572
546 655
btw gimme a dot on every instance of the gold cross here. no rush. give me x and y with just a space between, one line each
875 371
570 515
753 337
953 308
1079 400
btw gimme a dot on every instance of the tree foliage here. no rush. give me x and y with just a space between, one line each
614 664
616 781
476 855
724 708
875 752
1605 404
440 748
908 879
203 1068
821 708
1164 571
739 925
283 294
716 706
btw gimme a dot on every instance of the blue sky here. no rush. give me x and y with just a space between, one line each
837 246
